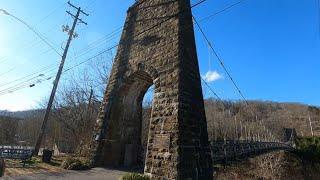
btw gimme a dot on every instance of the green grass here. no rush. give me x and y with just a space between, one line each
308 148
33 161
134 176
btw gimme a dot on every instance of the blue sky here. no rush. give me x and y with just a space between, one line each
271 47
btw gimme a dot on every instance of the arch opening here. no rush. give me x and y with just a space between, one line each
128 128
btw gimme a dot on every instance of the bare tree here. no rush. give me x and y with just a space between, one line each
8 131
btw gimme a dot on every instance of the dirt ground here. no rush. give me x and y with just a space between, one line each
278 165
34 166
93 174
36 170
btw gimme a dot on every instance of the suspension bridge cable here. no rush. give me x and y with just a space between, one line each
212 91
222 63
156 25
111 34
220 60
148 30
140 33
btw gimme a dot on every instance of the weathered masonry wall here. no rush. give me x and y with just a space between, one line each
157 47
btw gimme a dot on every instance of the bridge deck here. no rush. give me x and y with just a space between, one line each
230 150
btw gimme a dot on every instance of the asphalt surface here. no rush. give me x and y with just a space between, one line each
93 174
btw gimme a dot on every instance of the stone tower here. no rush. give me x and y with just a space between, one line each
157 47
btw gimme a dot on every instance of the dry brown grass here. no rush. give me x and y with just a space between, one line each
35 166
273 166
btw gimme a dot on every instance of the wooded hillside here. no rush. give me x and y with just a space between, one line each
71 122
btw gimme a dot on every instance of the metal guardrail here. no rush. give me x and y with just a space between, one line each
230 150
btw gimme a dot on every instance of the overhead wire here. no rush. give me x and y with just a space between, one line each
37 73
220 60
218 57
161 23
221 11
32 29
210 45
8 71
112 34
35 41
138 34
26 82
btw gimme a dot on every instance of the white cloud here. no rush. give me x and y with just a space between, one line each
212 76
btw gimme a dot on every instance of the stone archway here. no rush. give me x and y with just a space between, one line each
157 47
124 131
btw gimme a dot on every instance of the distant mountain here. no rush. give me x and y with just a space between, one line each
22 114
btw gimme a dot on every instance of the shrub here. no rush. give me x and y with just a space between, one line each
75 164
134 176
2 167
308 148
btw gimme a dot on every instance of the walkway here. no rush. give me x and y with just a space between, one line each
93 174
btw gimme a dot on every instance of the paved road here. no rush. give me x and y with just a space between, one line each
93 174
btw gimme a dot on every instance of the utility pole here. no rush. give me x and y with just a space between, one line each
72 35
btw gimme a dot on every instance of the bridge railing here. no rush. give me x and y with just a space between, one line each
231 150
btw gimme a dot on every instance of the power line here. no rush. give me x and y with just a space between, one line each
90 4
111 34
3 59
23 85
99 42
72 35
138 34
144 31
41 70
118 44
34 42
114 46
32 29
7 71
47 67
52 12
221 11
